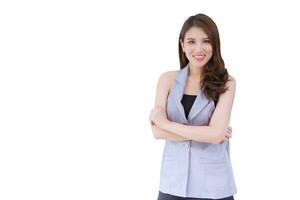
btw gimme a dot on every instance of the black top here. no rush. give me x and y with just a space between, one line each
187 102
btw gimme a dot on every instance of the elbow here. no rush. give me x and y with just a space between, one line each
155 134
157 137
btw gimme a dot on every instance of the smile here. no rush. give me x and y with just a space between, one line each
199 57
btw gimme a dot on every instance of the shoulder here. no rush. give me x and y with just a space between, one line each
231 83
167 78
231 78
169 75
163 88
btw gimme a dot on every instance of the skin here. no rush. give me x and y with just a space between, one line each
195 42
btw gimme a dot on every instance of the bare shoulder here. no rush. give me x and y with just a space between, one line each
231 83
231 78
169 75
167 78
163 88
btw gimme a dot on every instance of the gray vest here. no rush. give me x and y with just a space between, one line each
190 168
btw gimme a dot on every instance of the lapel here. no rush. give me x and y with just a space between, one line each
178 89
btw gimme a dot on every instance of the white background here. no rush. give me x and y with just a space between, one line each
78 80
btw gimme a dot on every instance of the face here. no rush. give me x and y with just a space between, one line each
197 47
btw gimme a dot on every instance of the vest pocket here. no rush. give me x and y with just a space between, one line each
217 176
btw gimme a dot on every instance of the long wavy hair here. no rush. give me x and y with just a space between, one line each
214 75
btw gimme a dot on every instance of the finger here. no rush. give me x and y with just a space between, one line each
229 132
228 135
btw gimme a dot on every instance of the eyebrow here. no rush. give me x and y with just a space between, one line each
194 38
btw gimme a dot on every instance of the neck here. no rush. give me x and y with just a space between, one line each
195 72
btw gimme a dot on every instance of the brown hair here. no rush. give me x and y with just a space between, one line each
214 75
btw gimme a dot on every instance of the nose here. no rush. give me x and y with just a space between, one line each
199 47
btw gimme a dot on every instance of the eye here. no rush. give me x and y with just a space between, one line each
207 41
190 42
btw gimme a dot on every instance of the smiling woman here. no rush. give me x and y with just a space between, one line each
197 46
192 113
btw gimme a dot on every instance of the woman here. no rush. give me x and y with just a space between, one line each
192 113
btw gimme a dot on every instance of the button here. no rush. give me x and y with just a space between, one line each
187 145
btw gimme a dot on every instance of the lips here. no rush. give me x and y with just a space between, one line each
199 57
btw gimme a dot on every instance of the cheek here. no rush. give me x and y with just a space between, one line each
208 48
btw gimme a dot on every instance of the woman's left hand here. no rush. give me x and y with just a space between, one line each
159 117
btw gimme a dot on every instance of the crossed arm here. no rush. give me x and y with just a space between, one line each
185 132
214 133
159 133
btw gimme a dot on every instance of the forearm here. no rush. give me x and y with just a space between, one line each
198 133
159 133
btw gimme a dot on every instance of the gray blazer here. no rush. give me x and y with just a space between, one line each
190 168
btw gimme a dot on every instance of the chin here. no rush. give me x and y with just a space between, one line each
198 65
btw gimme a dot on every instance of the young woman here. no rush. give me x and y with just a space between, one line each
192 113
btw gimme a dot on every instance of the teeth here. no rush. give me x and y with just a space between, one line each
201 56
